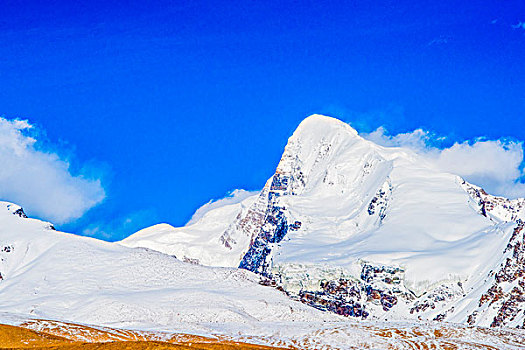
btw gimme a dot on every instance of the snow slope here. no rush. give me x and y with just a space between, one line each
56 275
412 240
201 240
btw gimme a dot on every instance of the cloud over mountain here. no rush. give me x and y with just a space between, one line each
496 165
42 180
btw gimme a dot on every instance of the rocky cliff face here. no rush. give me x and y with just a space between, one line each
494 207
272 228
504 301
267 221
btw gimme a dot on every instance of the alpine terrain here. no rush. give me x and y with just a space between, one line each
370 232
349 245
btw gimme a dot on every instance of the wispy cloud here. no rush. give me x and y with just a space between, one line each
438 41
519 25
496 165
233 197
121 226
41 180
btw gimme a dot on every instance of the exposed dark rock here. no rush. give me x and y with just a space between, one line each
191 260
20 212
513 270
273 230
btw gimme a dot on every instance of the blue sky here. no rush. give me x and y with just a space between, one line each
169 104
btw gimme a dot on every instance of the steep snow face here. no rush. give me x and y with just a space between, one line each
384 225
357 201
54 275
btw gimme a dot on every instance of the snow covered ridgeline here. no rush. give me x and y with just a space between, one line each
337 200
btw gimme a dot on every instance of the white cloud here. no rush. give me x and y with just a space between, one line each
495 165
41 181
415 140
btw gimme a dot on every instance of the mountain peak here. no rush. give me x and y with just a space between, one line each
321 124
316 142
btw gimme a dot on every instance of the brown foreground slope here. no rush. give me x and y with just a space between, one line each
46 334
64 336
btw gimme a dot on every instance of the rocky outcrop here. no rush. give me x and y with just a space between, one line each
16 210
494 207
506 295
378 287
379 203
273 225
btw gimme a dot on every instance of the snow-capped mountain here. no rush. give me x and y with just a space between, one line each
362 230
